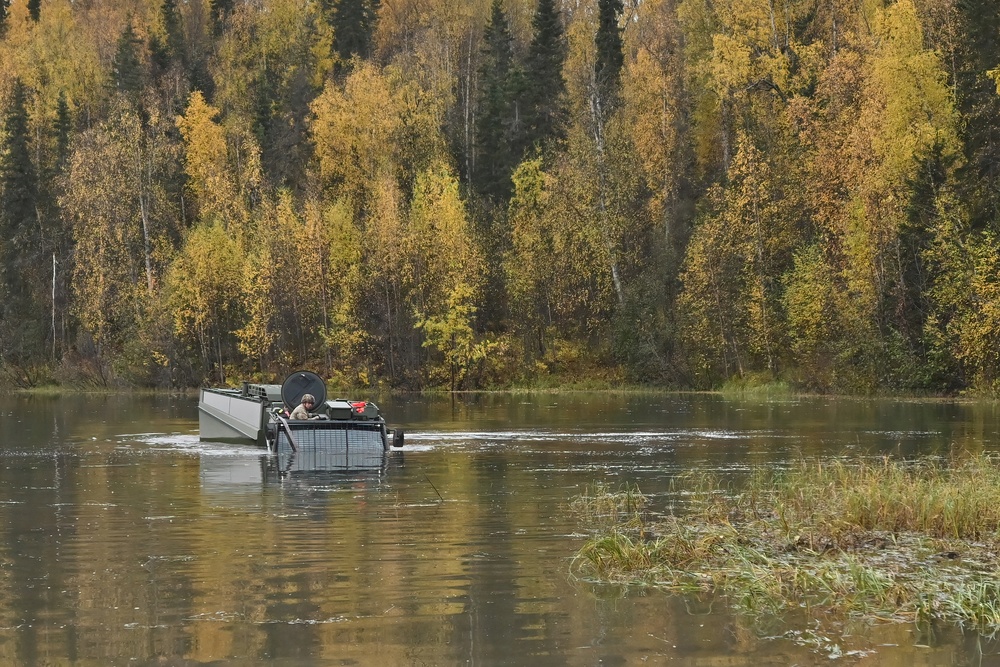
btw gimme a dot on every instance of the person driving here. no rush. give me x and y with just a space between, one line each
303 410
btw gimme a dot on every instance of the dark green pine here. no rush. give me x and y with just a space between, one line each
976 93
18 206
543 100
610 57
126 66
3 15
221 9
353 24
495 122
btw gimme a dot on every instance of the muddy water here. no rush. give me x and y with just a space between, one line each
126 540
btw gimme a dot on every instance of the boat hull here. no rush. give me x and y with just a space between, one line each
225 416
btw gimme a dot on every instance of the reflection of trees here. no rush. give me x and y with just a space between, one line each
108 549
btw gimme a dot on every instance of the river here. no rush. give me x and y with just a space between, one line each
128 541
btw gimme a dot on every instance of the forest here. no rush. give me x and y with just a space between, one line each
486 194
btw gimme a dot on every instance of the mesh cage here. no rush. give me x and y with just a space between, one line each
332 446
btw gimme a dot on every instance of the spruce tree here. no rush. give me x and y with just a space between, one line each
62 127
221 9
174 29
126 66
495 159
980 106
353 24
544 94
20 235
35 10
610 58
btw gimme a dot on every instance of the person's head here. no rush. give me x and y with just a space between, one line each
308 400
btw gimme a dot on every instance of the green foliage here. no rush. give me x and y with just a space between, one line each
977 56
544 106
123 224
607 69
353 24
127 69
811 303
496 133
21 250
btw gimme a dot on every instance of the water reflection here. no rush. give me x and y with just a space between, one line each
126 539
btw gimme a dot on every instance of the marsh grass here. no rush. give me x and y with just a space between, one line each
877 538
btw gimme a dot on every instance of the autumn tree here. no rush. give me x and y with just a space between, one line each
124 222
201 285
376 124
224 171
732 272
270 65
444 272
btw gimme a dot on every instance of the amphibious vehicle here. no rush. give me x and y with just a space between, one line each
258 414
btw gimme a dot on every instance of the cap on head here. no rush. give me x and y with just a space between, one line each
308 398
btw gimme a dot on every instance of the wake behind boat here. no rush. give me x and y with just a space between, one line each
260 414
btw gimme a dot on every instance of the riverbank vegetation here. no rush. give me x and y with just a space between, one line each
500 193
876 539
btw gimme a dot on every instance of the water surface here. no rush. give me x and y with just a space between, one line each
126 540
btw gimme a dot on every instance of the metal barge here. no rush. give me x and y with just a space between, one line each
258 414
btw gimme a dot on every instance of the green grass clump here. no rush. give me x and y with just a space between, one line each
883 539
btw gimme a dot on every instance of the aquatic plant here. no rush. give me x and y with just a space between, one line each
877 538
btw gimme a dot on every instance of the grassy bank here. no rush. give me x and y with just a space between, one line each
880 539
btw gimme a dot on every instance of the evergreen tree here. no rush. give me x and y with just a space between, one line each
170 47
20 237
980 105
495 159
127 68
544 104
3 16
353 24
173 28
221 9
495 121
35 9
610 58
63 127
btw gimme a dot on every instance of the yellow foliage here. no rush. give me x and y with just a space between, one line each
204 285
205 159
652 112
438 242
908 109
353 127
